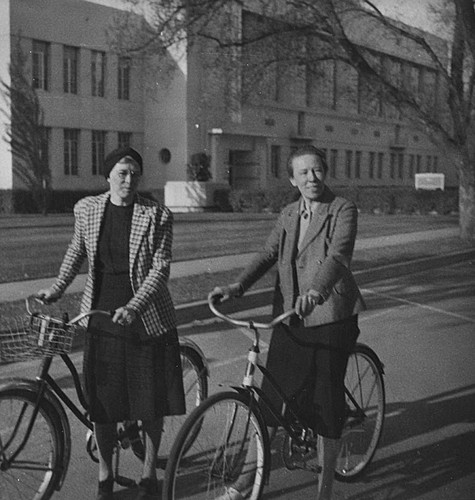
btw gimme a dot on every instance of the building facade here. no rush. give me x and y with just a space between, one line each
252 122
94 100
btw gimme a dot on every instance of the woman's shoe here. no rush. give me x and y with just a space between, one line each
105 489
148 489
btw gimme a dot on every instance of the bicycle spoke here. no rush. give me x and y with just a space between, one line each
227 448
195 385
365 414
30 468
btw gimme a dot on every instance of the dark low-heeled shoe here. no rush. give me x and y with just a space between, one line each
148 489
105 489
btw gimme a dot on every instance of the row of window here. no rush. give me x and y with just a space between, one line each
371 164
71 148
41 70
320 83
401 166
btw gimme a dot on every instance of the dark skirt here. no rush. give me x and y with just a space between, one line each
309 365
127 374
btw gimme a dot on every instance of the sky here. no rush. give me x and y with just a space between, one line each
412 12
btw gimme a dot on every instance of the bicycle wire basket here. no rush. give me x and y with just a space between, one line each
33 336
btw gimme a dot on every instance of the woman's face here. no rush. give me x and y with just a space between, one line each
308 176
124 180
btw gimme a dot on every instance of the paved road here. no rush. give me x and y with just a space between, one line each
421 325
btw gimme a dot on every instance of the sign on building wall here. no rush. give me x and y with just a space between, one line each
430 181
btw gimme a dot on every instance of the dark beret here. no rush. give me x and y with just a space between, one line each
115 156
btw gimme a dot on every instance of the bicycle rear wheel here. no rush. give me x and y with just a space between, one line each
365 405
228 448
35 472
195 383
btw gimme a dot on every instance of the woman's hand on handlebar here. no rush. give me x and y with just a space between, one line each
307 302
47 295
222 293
124 316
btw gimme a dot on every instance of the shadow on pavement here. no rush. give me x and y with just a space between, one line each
413 472
431 465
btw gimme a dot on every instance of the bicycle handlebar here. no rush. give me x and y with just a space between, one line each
247 323
73 321
81 316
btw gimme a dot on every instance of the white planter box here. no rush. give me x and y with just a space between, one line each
191 196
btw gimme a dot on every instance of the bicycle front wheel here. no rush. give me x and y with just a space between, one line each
33 472
365 405
228 449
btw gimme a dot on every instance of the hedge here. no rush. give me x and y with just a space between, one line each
22 202
384 200
368 199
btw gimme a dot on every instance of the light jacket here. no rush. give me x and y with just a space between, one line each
149 259
322 263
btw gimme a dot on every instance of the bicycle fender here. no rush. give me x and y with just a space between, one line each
190 344
371 354
32 386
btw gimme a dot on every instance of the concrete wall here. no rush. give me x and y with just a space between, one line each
165 117
152 115
184 105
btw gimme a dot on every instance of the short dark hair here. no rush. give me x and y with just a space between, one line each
306 150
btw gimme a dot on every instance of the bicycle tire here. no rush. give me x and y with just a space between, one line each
229 447
36 471
195 382
362 431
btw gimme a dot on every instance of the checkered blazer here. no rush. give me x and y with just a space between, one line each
149 258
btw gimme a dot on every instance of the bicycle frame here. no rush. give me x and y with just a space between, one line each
44 388
289 417
64 397
225 454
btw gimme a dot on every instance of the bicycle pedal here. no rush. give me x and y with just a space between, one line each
299 456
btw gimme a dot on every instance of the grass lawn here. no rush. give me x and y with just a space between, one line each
36 251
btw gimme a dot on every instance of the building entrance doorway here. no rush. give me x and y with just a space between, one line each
243 170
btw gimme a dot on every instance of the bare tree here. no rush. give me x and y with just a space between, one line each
295 36
26 133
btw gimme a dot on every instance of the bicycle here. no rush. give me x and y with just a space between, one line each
35 433
231 440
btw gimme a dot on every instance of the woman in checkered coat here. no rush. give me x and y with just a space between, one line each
132 367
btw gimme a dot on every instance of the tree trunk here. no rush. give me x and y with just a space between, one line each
467 204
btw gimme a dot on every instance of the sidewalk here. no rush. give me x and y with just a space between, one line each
21 289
